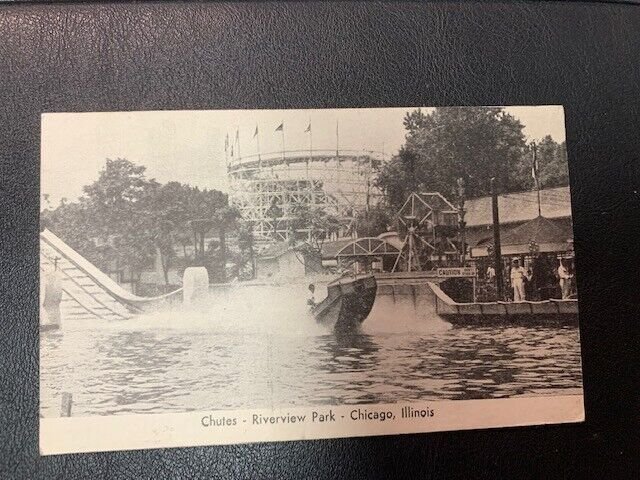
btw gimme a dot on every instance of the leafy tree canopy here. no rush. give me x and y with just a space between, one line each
319 224
126 218
553 168
450 143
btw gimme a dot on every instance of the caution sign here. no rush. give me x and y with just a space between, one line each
457 272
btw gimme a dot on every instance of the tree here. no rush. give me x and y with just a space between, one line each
246 247
171 208
553 169
119 217
120 185
106 225
375 222
318 224
226 219
46 198
473 143
74 223
397 178
127 219
167 209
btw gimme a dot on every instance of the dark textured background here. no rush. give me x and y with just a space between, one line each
205 56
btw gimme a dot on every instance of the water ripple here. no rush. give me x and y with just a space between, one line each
182 364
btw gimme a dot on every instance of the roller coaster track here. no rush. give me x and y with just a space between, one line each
88 293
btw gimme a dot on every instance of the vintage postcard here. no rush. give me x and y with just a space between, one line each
215 277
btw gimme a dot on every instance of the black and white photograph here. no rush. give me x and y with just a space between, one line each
233 276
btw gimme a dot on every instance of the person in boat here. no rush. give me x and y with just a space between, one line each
311 301
518 279
565 280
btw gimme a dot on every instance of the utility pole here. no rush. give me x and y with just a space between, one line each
497 251
461 223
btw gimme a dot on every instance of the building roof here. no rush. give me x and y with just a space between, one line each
393 238
549 235
539 230
484 235
331 249
519 207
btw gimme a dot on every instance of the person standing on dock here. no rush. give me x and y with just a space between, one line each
565 280
491 273
518 277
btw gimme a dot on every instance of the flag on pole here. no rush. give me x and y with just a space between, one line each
535 167
308 129
256 137
281 130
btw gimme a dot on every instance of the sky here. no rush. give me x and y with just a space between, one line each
189 146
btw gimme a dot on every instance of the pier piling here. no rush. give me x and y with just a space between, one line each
67 403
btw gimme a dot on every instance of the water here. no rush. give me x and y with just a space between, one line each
224 355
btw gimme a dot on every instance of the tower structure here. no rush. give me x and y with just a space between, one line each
428 221
270 189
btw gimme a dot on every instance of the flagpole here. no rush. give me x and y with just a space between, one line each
226 150
310 140
238 141
310 148
537 175
337 141
282 139
258 145
337 152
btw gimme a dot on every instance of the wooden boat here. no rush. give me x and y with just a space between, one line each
547 311
348 303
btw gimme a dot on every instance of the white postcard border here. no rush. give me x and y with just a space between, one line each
132 432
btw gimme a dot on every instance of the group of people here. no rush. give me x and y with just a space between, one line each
524 282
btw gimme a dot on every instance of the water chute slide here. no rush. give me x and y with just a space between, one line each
86 292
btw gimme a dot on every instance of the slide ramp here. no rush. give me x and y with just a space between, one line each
87 292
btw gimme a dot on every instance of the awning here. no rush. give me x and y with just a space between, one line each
548 236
